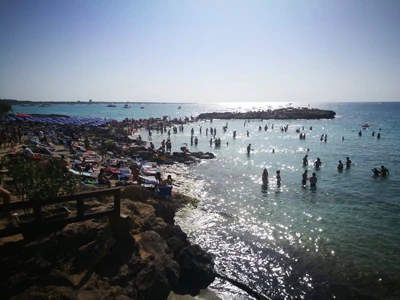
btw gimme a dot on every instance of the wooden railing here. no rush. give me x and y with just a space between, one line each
39 223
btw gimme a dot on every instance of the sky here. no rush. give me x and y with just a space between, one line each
200 51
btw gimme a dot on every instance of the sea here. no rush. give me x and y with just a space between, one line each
340 240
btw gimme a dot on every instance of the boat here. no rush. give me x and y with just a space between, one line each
127 106
142 107
111 105
365 125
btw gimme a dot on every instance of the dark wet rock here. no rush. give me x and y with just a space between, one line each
197 270
174 236
201 155
164 210
161 272
289 113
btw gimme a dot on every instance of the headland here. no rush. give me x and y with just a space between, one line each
289 113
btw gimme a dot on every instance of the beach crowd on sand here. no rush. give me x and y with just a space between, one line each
142 254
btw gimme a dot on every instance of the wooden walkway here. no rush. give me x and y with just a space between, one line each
38 223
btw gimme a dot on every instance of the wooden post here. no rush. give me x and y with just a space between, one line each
37 210
80 209
117 202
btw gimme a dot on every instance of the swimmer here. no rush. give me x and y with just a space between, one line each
340 166
348 163
304 178
384 171
249 149
265 176
305 160
278 177
317 163
313 180
376 172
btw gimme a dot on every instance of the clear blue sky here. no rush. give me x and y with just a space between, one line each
200 51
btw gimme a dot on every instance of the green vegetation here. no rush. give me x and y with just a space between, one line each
38 179
5 108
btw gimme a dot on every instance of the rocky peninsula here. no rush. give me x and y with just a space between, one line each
289 113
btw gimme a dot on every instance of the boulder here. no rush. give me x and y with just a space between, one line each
164 210
160 272
135 193
65 258
196 269
139 215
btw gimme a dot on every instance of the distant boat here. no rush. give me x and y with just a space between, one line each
111 105
127 106
142 107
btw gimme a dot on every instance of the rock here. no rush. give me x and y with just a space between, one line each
64 258
139 255
141 216
135 193
196 268
160 272
289 113
164 210
174 236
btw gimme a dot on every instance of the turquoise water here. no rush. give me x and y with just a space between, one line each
340 240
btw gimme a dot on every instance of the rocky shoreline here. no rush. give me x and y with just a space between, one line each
289 113
143 255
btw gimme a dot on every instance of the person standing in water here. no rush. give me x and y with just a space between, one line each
248 149
313 180
348 162
304 178
340 166
317 163
265 176
305 160
278 177
384 171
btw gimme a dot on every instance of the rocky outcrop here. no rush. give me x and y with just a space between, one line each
289 113
197 269
175 157
143 255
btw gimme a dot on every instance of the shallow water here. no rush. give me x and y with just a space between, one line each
289 242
